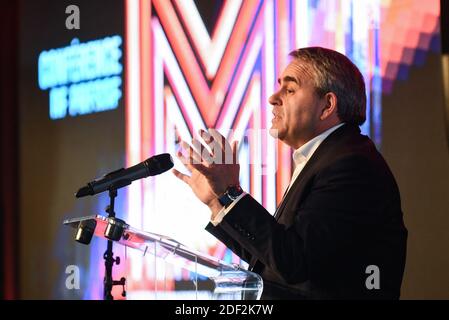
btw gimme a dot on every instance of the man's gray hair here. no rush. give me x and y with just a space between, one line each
334 72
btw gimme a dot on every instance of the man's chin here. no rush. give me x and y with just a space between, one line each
274 133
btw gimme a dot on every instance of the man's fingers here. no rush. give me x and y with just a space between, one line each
221 149
194 157
203 152
184 161
181 176
218 138
191 166
207 138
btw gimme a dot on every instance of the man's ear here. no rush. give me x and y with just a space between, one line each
330 106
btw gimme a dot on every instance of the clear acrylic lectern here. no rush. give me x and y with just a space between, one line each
208 277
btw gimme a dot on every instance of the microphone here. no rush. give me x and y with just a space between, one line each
123 177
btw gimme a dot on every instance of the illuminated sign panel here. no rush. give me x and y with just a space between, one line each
82 78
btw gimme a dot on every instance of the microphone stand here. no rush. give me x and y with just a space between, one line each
108 256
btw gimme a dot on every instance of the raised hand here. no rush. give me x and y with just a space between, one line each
212 171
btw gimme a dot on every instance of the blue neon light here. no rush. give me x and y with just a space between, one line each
82 78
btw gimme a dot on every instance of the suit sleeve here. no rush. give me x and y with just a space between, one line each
331 227
234 245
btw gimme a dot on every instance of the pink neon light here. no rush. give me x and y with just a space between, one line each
147 127
256 154
132 70
132 118
242 75
174 112
187 60
158 87
235 46
177 80
283 46
268 81
210 50
250 102
242 78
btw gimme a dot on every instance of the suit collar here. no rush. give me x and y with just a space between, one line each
304 152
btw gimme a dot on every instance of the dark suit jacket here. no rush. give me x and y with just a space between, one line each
341 215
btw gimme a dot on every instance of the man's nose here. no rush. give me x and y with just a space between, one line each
274 99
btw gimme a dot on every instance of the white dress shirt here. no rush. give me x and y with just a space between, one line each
300 158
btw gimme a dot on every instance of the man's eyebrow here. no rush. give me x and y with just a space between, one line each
288 79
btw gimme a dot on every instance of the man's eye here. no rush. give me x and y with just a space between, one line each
290 91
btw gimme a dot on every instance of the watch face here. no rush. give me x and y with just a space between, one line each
230 195
225 200
234 192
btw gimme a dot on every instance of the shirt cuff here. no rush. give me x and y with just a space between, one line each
220 215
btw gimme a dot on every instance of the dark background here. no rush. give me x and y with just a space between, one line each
45 158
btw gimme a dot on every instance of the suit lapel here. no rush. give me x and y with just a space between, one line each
296 191
328 148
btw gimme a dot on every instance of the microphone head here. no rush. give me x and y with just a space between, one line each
84 191
159 163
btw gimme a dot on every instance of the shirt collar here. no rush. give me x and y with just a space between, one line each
306 151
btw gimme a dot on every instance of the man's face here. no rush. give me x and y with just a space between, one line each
296 105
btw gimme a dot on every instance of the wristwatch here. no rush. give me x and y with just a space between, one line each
231 193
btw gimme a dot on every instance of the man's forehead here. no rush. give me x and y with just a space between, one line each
296 71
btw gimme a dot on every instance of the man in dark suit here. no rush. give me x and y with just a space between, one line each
339 232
